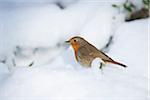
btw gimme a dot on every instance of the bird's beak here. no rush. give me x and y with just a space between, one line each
67 41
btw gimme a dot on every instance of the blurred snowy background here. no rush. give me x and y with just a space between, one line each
35 63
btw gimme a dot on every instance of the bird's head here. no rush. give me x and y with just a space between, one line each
76 42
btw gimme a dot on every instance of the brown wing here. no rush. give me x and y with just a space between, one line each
104 57
89 52
98 53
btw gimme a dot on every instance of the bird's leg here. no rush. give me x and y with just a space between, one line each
102 64
101 67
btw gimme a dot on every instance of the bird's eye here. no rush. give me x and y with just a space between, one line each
75 40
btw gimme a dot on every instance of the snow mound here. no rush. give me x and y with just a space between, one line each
34 33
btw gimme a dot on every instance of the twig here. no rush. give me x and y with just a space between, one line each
107 46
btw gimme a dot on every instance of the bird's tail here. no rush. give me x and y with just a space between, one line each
117 63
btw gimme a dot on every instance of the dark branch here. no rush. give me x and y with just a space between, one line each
60 5
140 14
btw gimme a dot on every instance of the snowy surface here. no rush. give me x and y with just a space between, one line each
35 32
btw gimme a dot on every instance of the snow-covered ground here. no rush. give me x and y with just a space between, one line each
34 34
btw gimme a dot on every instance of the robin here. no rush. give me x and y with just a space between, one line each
85 53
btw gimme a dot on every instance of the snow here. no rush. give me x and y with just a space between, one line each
35 33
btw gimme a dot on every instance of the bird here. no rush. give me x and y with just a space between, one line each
85 53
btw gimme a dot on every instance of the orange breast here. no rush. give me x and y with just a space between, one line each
75 47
